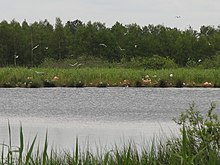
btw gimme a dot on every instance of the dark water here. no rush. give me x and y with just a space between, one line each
99 115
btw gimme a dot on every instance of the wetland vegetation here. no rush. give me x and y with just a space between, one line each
108 77
77 54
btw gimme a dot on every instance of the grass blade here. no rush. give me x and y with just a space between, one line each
106 158
184 145
128 155
10 146
77 151
21 148
30 150
45 151
2 162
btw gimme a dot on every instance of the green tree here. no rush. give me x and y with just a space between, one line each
132 41
119 33
60 50
184 45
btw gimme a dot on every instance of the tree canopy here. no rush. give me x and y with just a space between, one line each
26 44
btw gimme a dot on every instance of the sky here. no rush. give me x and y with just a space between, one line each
194 13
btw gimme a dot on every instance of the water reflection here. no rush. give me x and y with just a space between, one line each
102 115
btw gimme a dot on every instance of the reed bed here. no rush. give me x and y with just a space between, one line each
108 77
198 143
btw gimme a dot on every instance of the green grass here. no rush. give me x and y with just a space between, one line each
104 77
198 143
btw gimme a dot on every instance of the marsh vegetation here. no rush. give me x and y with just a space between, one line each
108 77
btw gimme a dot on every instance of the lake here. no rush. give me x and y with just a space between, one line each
98 116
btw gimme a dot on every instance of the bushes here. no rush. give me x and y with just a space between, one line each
158 62
200 136
82 61
213 62
155 62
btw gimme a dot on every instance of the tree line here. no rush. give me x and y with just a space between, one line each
26 44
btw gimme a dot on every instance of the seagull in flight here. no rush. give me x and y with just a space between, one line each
178 16
73 64
121 48
79 65
35 47
103 45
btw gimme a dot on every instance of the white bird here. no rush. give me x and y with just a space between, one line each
78 65
46 48
197 36
35 47
16 56
73 64
121 48
135 46
103 45
178 16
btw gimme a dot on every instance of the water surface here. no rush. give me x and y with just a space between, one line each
99 115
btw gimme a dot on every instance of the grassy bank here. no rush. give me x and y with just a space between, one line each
104 77
198 143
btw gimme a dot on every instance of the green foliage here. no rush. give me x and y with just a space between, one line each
157 62
48 63
37 42
200 135
213 62
80 62
82 76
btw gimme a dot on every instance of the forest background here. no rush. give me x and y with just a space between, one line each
78 44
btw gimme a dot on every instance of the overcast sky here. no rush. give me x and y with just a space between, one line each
194 13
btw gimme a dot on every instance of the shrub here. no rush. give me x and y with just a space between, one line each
158 62
201 134
213 62
48 62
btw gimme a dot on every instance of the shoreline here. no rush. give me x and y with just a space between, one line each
110 86
109 77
